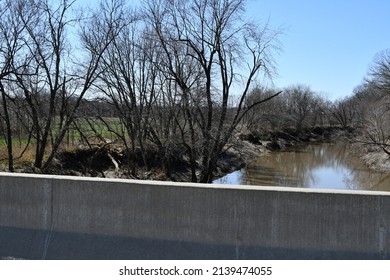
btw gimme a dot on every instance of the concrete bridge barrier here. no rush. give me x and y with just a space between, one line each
60 217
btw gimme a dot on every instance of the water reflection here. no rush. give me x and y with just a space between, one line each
322 166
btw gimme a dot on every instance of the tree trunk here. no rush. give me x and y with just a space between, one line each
8 130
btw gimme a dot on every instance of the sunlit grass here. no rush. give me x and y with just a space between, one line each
21 154
92 130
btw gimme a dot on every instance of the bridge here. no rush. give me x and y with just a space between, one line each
63 217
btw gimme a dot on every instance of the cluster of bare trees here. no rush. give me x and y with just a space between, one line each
371 100
366 111
45 76
177 73
298 108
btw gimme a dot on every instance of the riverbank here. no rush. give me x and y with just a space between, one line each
373 157
110 160
281 140
249 146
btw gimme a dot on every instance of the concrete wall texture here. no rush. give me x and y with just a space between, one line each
59 217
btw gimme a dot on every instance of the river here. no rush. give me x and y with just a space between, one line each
320 166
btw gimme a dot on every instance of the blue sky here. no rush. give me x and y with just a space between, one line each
327 44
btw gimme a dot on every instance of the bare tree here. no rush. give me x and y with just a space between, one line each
379 73
205 43
376 129
6 52
344 112
12 42
52 83
128 79
44 76
373 97
269 116
302 105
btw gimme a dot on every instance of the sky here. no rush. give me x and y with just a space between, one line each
327 44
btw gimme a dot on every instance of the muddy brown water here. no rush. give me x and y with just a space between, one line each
320 166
